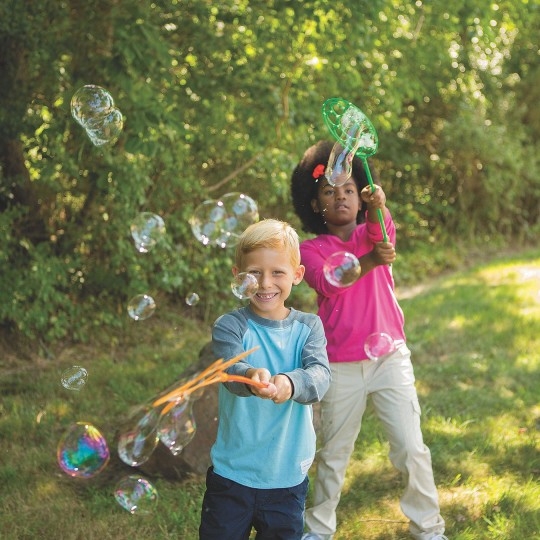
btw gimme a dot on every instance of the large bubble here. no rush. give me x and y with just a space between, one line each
82 451
342 269
93 108
138 436
221 222
177 426
136 495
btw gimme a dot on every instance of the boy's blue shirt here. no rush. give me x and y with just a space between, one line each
260 444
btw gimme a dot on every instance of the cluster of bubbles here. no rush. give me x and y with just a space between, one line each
140 433
220 222
83 452
93 108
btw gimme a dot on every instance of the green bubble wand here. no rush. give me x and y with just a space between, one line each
355 135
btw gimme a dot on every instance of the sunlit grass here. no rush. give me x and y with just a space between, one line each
475 339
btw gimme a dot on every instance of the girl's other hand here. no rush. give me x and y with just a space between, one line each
383 253
374 199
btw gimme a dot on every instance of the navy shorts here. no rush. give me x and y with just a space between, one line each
230 510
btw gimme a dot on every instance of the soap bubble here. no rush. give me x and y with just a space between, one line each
177 427
244 285
192 299
342 269
107 129
208 222
138 437
93 108
90 103
221 222
82 451
74 378
242 211
141 307
147 230
136 495
380 344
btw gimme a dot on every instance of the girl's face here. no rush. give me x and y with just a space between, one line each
339 205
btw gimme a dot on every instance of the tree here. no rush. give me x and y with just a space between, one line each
225 96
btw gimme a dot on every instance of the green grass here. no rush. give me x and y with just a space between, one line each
475 338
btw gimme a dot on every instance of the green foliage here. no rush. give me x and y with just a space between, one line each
226 96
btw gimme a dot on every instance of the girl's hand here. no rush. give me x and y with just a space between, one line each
375 199
383 253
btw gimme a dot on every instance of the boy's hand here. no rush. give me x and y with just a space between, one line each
261 375
375 199
284 388
383 253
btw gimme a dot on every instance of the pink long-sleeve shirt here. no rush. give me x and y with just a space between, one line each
351 314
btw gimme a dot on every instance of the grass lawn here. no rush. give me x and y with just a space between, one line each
475 338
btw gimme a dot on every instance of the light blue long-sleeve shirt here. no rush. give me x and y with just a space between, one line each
259 443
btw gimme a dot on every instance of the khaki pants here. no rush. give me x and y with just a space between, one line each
390 383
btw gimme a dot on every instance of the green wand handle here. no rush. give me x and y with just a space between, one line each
379 211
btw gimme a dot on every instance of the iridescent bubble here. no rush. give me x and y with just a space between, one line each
90 102
74 378
147 230
82 451
136 495
342 269
380 344
192 299
177 427
244 285
138 437
93 108
141 307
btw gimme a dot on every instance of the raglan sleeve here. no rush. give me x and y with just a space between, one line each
227 333
312 380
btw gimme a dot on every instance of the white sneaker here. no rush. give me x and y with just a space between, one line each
314 536
439 537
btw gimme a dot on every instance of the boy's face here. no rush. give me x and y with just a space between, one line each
276 275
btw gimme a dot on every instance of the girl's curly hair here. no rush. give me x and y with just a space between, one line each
304 185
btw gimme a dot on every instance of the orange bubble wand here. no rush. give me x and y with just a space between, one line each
214 373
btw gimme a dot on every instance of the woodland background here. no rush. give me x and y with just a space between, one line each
222 96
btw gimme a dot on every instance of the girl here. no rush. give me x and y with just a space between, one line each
344 218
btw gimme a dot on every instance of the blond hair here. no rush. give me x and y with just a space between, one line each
271 234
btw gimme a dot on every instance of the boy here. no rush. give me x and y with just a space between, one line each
266 441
